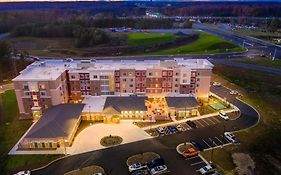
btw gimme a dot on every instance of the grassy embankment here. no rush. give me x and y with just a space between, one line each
206 44
262 91
140 38
268 62
266 36
11 129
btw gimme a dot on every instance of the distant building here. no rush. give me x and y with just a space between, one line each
53 82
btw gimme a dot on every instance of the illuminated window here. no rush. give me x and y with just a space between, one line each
42 87
32 88
36 104
34 97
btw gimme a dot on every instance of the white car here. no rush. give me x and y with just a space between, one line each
233 92
231 137
160 130
206 169
223 115
158 169
180 127
26 172
136 166
216 84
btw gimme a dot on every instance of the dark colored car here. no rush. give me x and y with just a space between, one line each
197 145
155 162
191 124
141 172
173 129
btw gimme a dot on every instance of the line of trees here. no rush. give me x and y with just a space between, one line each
9 66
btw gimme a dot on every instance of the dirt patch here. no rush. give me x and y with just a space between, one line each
245 165
142 158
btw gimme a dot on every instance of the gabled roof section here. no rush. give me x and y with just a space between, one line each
57 121
182 102
126 103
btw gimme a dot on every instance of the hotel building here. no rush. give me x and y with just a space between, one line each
52 82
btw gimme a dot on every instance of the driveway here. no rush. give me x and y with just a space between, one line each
89 139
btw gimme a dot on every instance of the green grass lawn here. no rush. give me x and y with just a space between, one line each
261 62
140 38
11 129
263 92
206 43
221 158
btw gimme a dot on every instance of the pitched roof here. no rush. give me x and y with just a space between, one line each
182 102
57 121
128 103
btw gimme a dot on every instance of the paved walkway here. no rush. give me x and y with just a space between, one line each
89 138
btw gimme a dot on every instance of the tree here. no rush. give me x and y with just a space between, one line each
274 25
5 50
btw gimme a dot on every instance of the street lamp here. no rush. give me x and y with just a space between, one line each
65 141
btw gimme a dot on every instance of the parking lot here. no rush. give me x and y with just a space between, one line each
182 127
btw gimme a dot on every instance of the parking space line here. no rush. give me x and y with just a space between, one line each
197 163
199 123
191 158
210 120
213 142
225 139
219 140
205 122
217 120
206 143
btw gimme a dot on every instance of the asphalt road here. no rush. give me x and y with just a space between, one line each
113 159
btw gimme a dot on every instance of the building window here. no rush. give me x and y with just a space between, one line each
132 80
198 73
72 77
88 87
197 85
177 73
50 145
26 93
198 79
42 93
42 87
25 87
35 144
176 85
124 80
150 74
95 76
43 145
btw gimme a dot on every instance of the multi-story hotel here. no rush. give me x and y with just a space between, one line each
52 82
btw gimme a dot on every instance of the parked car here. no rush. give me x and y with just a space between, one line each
233 92
160 130
190 152
155 162
191 124
231 137
180 127
140 172
173 129
197 145
208 169
158 169
25 172
137 166
216 84
223 115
